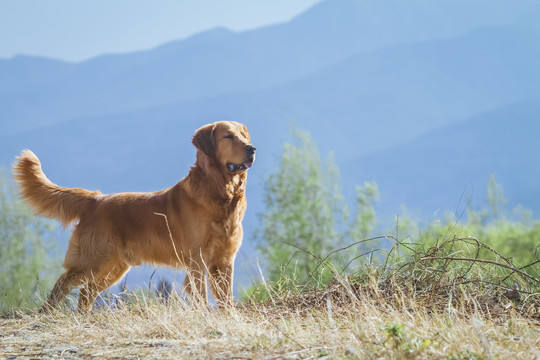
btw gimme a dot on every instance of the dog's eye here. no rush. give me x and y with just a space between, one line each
230 136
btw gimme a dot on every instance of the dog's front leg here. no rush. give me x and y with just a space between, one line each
195 285
221 283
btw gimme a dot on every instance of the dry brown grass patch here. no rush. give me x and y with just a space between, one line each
364 328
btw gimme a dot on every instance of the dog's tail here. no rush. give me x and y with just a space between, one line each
49 199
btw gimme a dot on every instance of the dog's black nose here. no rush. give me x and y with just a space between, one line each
250 149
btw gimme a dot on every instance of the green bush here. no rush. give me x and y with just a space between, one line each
306 216
26 266
515 239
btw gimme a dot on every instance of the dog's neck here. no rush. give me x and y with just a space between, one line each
208 178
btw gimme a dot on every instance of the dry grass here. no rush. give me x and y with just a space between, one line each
330 324
419 305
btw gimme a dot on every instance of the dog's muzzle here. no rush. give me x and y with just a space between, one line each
250 158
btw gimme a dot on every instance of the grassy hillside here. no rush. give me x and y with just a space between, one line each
420 303
359 331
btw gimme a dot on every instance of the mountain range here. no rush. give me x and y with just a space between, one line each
426 98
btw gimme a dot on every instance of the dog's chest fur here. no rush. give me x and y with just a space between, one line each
228 214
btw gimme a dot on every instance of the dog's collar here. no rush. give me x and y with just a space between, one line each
239 167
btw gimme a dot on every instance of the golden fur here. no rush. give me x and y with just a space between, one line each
194 225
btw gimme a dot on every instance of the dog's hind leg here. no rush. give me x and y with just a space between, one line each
65 283
87 295
90 290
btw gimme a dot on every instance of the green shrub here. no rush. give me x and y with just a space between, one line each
27 268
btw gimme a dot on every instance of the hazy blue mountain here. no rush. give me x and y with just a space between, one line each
220 62
366 103
22 73
443 169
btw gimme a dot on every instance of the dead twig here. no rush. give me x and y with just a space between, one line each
513 268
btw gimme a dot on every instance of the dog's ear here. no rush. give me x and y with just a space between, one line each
245 132
205 140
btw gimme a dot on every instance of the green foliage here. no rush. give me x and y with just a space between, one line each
306 214
518 240
25 245
301 202
306 236
365 222
394 331
495 198
407 343
266 291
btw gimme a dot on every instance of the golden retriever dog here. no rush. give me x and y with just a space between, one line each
195 225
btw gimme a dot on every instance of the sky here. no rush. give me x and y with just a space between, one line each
75 30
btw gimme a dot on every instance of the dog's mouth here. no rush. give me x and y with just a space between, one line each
239 167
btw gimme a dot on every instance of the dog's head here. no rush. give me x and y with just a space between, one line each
227 142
